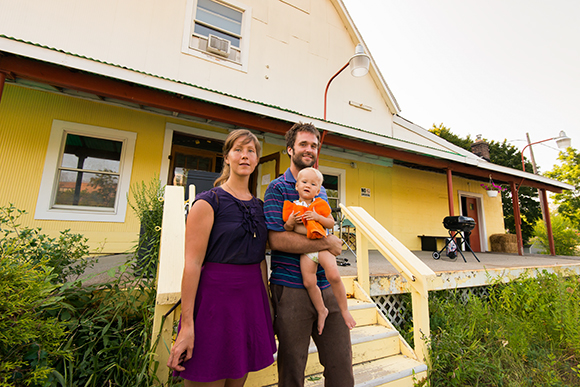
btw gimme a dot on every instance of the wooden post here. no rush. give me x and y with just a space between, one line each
548 220
517 217
169 274
450 193
421 325
362 261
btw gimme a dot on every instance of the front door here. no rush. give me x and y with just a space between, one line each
471 211
195 160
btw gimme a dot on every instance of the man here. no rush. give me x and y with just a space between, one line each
295 316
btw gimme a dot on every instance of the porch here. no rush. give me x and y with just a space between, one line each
455 273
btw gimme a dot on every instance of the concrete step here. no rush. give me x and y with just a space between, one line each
368 343
397 370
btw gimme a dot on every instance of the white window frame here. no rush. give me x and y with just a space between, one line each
341 173
45 208
186 48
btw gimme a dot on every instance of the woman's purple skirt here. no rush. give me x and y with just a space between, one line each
232 322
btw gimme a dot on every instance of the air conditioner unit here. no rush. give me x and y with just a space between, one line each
218 45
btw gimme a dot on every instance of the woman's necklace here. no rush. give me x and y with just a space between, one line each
238 196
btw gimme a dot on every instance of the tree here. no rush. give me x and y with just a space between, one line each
507 155
568 172
446 134
566 238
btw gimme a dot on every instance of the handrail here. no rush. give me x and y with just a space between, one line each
405 262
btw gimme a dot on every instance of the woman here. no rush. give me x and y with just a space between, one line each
226 327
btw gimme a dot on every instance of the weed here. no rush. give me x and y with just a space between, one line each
525 333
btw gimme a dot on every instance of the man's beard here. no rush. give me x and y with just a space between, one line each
299 161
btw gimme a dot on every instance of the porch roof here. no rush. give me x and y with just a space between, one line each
59 69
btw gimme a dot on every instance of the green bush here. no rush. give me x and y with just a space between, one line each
67 255
566 238
29 333
525 334
146 200
56 333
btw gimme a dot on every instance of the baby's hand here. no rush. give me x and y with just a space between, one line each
311 215
292 219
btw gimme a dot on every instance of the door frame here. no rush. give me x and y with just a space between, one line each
481 214
255 186
341 173
168 142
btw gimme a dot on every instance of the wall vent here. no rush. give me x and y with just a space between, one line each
218 46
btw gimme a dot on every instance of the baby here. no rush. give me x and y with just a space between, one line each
311 217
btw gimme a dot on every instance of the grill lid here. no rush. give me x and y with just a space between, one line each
459 223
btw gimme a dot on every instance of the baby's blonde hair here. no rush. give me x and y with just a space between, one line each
316 171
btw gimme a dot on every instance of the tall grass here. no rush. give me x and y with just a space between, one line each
526 333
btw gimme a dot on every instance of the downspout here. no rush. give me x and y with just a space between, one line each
517 218
450 192
546 210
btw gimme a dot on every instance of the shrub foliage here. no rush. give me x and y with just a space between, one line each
56 330
525 334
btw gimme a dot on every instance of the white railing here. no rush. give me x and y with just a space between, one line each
411 268
169 274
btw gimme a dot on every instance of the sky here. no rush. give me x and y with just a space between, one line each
500 68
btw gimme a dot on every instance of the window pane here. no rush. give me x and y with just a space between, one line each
331 193
220 16
193 162
205 31
95 154
86 189
330 182
333 203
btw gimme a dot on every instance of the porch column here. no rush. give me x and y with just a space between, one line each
548 221
450 192
517 218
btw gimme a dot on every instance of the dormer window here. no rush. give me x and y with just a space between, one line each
219 31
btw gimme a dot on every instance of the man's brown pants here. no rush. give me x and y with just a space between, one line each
295 321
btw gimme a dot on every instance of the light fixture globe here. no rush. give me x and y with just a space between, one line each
360 62
563 141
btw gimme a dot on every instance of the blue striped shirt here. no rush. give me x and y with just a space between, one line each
286 266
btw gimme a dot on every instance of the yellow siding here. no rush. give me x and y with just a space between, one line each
407 202
26 122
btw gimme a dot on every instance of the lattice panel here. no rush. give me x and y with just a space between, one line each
393 306
479 291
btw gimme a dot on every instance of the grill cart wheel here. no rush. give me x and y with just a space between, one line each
436 255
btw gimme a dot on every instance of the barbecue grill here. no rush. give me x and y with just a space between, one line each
457 226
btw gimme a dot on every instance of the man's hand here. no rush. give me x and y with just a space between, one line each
334 244
292 242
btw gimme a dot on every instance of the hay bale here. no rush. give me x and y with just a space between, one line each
504 243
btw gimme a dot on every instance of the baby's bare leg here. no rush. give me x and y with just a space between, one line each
328 262
308 268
